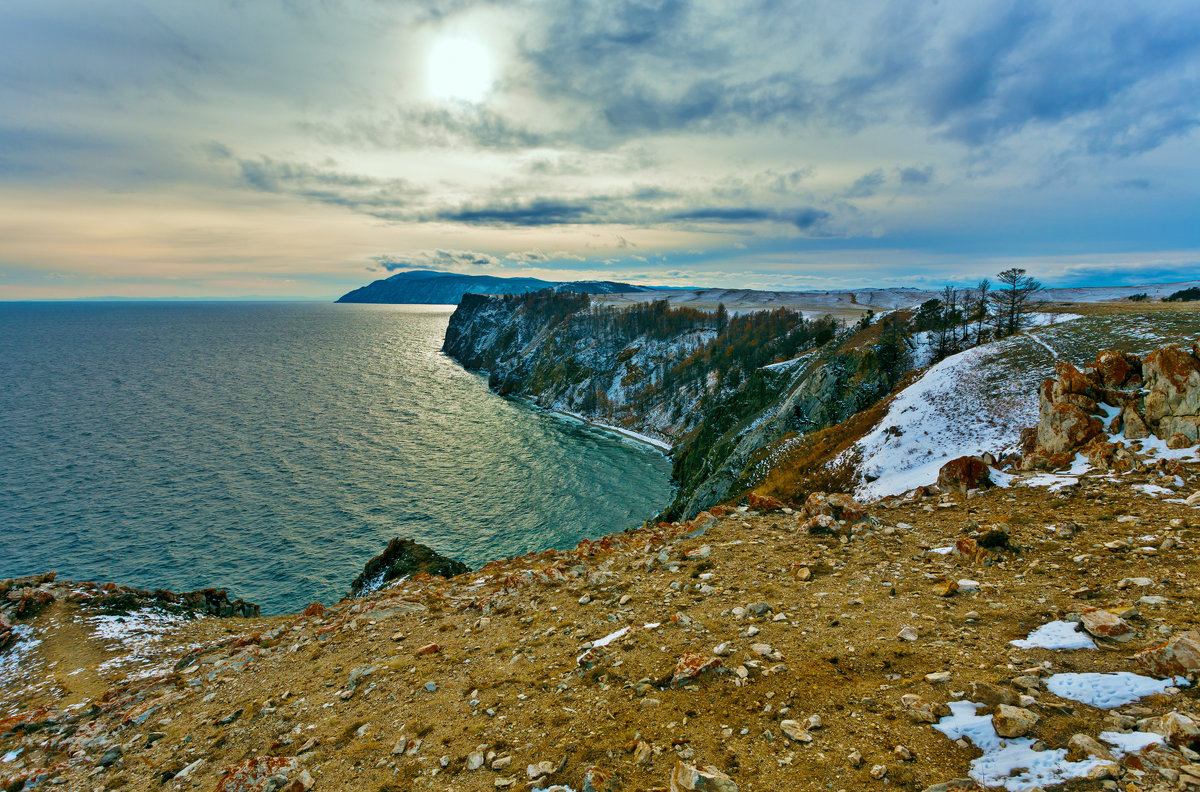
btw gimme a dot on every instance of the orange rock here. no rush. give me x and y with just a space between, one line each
963 474
1106 624
1177 657
258 774
429 649
763 502
314 611
692 665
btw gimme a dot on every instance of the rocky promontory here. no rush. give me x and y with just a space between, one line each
403 558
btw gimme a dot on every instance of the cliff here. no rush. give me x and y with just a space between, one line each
716 388
448 288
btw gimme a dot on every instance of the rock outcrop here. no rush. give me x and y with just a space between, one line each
404 558
963 474
1117 400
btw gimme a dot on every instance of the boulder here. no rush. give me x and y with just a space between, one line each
1133 423
963 474
763 502
1115 369
1012 721
1186 425
1172 379
1064 427
1178 657
1106 624
1177 729
400 558
1072 380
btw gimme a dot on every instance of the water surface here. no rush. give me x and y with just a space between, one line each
273 448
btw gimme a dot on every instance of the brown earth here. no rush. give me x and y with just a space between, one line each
341 691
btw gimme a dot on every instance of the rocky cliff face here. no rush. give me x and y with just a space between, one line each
716 397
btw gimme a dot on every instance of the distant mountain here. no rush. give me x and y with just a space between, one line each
447 288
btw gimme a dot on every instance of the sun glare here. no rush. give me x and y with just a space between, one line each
459 68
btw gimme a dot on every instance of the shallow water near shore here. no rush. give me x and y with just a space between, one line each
271 449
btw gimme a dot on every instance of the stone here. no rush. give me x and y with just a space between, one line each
428 649
907 633
314 611
1178 657
964 474
691 665
598 780
1081 747
1012 721
542 768
902 753
945 588
1177 729
879 771
938 677
1134 424
1105 624
855 758
474 760
1179 440
953 784
792 730
1172 379
1140 582
763 502
990 695
1193 499
1064 427
1114 368
688 778
642 753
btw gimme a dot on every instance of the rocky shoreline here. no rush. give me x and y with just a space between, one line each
1021 630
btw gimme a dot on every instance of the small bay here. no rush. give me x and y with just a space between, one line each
272 448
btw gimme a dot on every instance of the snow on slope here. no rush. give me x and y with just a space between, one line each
979 400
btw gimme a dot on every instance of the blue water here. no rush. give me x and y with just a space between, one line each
271 449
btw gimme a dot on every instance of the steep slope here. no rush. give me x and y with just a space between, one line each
446 288
716 390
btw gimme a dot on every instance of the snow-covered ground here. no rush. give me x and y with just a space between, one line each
979 400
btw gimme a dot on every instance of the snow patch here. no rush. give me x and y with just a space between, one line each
1105 691
1056 635
1130 743
1009 763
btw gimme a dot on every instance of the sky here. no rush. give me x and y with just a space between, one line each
302 148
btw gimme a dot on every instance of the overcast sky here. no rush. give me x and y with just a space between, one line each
305 147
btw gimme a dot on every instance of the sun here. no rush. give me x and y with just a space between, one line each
459 68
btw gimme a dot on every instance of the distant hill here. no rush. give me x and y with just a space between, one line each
447 288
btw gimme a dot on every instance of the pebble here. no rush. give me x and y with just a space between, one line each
907 633
794 732
878 772
937 677
474 760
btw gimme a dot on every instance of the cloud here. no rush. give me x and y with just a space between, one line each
914 176
866 185
383 198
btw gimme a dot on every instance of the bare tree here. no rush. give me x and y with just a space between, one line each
1013 300
981 308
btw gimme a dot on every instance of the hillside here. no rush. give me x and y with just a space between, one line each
743 640
447 288
667 373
